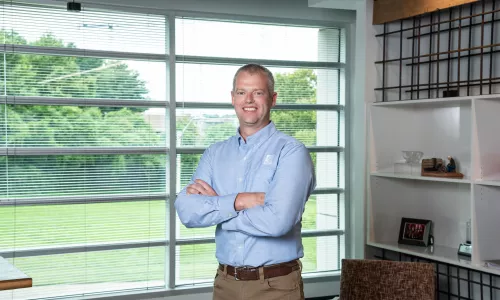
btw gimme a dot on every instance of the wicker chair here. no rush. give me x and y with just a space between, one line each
386 280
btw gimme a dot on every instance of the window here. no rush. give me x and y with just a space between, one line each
85 166
311 96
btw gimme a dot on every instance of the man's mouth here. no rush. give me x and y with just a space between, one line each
249 108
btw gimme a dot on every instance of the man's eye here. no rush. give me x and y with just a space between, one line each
259 93
240 93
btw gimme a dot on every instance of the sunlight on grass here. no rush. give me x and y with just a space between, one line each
51 225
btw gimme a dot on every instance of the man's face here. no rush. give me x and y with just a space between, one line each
252 101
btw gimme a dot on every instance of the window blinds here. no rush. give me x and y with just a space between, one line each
308 64
84 133
83 153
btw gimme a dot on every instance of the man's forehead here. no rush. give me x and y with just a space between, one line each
252 74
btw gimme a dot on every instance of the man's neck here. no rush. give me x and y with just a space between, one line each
246 131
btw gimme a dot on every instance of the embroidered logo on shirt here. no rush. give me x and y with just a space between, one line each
268 160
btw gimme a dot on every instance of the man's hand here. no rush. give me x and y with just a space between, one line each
248 200
200 187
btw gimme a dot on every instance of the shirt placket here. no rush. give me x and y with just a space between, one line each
245 150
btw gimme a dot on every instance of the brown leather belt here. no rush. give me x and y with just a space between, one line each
252 273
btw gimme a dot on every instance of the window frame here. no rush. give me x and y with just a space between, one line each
171 149
174 149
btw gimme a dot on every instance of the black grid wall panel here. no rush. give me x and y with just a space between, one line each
453 282
450 52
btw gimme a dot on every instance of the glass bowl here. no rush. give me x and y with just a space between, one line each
412 157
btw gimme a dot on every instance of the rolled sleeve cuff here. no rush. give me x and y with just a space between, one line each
226 206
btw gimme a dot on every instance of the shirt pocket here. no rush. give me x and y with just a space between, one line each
263 177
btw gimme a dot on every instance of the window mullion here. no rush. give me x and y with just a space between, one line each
171 259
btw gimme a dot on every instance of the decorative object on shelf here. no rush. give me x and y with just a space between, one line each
451 166
411 163
406 168
412 157
415 232
495 264
465 249
435 167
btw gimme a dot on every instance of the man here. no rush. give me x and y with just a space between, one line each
253 187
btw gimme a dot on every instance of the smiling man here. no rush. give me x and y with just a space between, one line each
253 187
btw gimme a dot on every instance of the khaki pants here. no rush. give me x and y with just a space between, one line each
288 287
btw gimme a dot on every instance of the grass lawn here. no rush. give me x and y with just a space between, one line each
51 225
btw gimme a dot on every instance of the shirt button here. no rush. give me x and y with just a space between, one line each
245 158
240 179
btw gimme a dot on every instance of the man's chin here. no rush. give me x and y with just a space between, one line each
250 123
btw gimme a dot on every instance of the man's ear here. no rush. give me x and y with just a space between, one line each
232 98
274 97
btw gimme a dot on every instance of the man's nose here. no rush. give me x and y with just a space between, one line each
249 98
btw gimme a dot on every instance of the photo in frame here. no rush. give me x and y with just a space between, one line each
417 232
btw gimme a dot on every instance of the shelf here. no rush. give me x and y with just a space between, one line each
424 102
488 182
492 97
436 253
419 177
437 101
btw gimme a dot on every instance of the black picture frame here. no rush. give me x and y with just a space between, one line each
416 232
465 249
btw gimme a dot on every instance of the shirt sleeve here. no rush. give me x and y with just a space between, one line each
200 210
285 200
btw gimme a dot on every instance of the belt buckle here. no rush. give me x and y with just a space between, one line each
236 271
236 274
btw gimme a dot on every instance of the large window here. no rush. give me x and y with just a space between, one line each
308 65
87 130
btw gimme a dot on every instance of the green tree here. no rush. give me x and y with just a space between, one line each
64 126
298 87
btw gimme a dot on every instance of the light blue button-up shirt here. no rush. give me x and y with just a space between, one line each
270 162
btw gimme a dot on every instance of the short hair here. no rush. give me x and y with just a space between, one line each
255 68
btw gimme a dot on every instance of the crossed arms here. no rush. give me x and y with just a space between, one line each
274 213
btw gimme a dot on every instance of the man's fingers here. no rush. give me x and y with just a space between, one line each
205 185
200 187
261 197
191 191
210 191
195 188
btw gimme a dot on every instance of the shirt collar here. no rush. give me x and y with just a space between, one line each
259 136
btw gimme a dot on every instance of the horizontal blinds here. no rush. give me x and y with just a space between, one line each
81 274
88 29
206 52
262 41
203 127
84 163
71 126
83 171
28 227
73 175
196 83
61 76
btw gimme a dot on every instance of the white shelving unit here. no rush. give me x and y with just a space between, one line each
468 129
